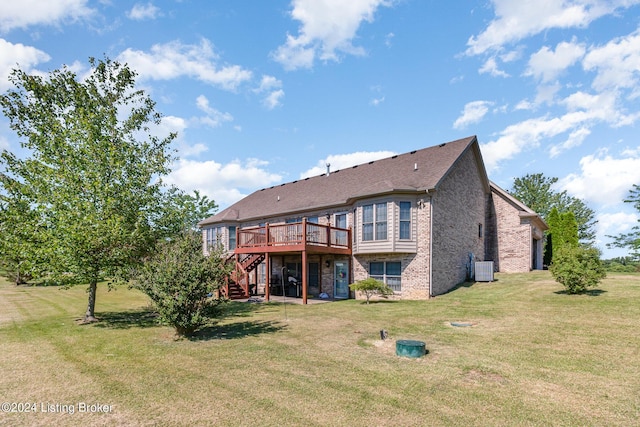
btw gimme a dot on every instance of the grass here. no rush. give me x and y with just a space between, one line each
534 356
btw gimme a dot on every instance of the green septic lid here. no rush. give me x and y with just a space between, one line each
410 348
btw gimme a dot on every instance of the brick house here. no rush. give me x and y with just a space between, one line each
416 221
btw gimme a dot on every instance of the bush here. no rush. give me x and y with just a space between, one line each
182 282
577 268
370 287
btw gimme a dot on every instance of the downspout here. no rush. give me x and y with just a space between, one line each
430 245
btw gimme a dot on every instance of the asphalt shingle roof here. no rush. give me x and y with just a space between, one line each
418 170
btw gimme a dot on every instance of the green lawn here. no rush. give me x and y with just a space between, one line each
534 356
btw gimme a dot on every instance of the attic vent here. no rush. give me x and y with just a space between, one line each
306 179
371 162
393 157
442 145
413 152
355 166
282 185
294 181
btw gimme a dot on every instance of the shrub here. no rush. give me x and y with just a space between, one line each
182 282
370 287
577 268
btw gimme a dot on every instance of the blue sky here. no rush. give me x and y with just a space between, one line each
265 92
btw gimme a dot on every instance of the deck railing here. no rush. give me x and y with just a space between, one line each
293 234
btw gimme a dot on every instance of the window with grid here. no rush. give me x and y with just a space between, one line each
232 237
387 272
405 221
374 222
213 237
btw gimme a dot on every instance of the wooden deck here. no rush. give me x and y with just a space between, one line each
294 237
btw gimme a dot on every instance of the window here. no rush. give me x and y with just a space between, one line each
381 221
213 237
387 272
312 219
232 237
480 230
367 222
374 222
405 220
341 220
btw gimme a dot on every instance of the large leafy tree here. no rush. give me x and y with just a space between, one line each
90 183
630 240
183 211
537 192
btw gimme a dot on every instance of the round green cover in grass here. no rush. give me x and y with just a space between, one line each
410 348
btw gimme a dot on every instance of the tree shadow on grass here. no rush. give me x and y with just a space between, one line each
148 317
229 331
143 318
588 292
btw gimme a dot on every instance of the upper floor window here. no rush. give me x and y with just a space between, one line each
374 222
232 237
341 220
405 221
213 237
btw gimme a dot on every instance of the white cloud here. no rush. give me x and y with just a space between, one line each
23 13
343 161
583 112
327 30
491 66
376 101
17 56
473 113
616 223
226 184
214 118
516 20
603 178
140 12
617 64
576 138
613 224
174 59
547 64
4 144
271 89
525 135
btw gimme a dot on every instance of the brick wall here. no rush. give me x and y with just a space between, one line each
512 239
458 211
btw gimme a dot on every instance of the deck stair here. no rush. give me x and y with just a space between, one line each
237 283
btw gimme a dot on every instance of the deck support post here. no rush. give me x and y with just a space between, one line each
304 276
267 285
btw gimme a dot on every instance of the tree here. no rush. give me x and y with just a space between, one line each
563 232
630 240
93 188
183 211
370 287
182 282
19 231
577 268
536 191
